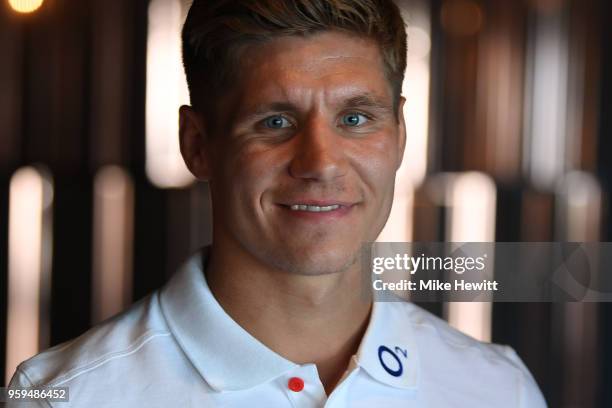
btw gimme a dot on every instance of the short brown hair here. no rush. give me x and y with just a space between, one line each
216 30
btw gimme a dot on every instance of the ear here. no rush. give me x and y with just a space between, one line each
401 136
194 143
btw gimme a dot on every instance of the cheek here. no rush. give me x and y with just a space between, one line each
250 173
376 162
257 167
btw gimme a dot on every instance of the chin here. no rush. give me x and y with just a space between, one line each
317 262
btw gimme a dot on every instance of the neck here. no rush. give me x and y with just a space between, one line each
306 319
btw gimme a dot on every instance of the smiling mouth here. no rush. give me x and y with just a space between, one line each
321 210
313 208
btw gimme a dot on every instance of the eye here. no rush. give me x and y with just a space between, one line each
354 119
277 122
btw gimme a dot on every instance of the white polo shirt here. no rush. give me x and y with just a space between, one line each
178 348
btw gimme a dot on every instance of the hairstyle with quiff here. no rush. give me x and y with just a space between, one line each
215 32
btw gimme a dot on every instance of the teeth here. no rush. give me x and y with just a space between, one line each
314 208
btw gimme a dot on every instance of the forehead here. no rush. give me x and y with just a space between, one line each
329 66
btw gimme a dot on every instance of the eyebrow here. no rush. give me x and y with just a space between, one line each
366 100
359 101
272 107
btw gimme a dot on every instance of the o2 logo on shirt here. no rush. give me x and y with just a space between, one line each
390 359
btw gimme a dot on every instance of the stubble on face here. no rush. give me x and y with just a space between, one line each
258 172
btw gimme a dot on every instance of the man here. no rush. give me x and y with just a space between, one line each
297 125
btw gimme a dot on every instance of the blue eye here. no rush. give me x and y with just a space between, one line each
277 122
353 119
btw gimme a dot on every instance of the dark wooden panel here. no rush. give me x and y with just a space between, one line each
72 244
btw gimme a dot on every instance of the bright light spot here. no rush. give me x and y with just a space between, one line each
29 264
546 104
415 89
419 42
112 242
399 224
25 6
166 92
416 116
472 201
579 206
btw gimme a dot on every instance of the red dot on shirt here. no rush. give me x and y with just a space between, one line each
296 384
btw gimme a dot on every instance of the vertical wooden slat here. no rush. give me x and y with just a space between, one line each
110 57
56 134
113 220
11 80
500 91
11 74
151 204
578 219
604 171
461 22
586 46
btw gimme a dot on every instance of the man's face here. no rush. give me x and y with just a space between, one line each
303 171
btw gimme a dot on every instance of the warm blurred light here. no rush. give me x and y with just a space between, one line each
25 6
416 115
546 107
578 219
472 201
29 265
472 318
499 106
547 6
579 202
399 224
112 242
416 108
419 42
461 17
166 91
472 213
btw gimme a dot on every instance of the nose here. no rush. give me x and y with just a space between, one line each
318 153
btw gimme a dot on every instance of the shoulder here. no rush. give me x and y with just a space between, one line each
113 342
450 356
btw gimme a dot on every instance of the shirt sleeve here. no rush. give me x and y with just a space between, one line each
530 395
20 380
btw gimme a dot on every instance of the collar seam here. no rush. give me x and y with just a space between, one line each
162 307
132 348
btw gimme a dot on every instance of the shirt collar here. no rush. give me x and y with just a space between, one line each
225 355
388 351
229 358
